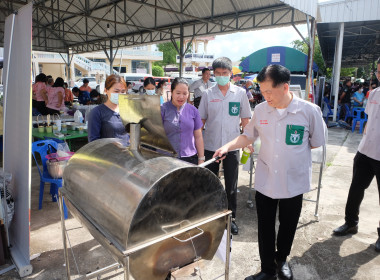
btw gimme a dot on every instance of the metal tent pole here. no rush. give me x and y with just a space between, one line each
337 66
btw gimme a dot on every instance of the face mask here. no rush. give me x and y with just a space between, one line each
130 90
222 80
95 98
114 98
150 91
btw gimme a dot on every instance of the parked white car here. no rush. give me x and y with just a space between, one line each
137 80
92 83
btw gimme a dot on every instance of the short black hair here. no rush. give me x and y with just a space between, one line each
59 82
149 81
41 78
222 62
275 72
204 70
86 81
178 81
128 83
94 93
75 89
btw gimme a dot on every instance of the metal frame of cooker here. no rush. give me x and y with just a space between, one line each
119 253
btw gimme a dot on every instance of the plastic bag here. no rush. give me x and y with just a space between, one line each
9 199
78 117
221 251
63 147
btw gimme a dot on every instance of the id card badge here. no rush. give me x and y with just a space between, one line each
294 134
234 108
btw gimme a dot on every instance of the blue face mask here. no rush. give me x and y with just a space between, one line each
150 91
222 80
114 98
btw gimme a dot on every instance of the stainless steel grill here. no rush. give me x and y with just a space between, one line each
152 213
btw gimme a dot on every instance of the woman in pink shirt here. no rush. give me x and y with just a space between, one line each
40 98
56 95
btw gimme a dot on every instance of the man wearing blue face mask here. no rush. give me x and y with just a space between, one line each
222 109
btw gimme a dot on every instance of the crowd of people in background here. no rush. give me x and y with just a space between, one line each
50 96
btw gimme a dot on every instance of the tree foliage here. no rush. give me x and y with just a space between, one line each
157 71
344 72
303 47
169 53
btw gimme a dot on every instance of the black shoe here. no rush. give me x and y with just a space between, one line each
261 276
377 245
345 229
284 271
234 228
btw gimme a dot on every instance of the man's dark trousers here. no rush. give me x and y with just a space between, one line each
289 210
231 173
365 168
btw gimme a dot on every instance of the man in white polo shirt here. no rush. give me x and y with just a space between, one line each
366 165
289 128
201 85
222 109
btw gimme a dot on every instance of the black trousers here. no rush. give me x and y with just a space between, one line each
231 173
364 170
289 212
193 159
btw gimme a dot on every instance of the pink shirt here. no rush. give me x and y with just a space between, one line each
37 88
53 98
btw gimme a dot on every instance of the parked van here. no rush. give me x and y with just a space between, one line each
137 80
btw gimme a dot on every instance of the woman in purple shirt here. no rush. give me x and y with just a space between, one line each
183 124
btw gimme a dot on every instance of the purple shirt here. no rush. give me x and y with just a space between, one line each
180 126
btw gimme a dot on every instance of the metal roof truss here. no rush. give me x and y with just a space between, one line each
86 26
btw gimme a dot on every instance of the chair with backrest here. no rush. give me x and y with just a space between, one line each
359 115
42 147
327 110
348 113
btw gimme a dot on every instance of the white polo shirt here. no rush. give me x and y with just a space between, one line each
284 163
369 145
199 86
222 115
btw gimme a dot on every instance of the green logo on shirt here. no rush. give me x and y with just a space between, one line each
234 108
294 134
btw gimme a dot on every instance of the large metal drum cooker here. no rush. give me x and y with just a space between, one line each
133 203
153 213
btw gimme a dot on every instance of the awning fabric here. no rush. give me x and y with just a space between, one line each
292 59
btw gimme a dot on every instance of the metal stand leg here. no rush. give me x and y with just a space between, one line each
60 201
320 182
126 269
251 166
228 248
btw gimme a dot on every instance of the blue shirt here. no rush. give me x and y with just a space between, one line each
84 97
359 96
106 123
179 127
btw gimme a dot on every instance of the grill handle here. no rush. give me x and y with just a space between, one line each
210 161
190 238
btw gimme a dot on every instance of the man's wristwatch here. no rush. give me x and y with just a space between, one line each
201 158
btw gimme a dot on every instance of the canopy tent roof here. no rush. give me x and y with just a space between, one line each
361 39
86 26
361 43
292 59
